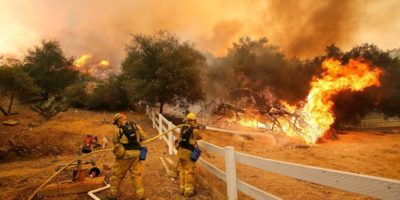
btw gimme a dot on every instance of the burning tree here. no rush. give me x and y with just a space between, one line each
355 76
351 106
313 118
263 84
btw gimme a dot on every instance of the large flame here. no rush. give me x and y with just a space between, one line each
316 111
354 76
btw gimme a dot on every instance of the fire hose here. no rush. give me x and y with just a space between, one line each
96 152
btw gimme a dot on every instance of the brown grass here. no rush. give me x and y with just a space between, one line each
371 153
57 141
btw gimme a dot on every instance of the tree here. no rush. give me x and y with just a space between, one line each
49 68
50 107
332 51
76 94
109 95
257 66
390 98
161 69
350 107
15 83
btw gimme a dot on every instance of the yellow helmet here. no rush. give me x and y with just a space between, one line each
118 116
191 116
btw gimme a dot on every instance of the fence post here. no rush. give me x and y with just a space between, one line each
170 139
159 123
230 166
153 118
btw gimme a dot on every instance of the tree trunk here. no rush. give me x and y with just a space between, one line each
45 96
3 111
161 107
11 104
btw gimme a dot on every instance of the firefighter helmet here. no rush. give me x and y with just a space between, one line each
118 116
191 116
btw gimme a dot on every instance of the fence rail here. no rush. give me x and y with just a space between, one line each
377 187
363 184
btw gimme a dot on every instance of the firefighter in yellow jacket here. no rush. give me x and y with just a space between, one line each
127 153
186 165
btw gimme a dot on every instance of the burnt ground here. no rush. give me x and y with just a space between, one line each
31 153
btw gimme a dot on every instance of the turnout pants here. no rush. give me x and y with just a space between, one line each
186 169
119 170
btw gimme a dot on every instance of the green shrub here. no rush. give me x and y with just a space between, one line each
109 95
77 95
50 107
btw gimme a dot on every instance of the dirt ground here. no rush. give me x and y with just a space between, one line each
31 151
371 153
36 151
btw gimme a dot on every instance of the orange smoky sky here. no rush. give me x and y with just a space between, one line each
300 28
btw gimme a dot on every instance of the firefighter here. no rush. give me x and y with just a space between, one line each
186 144
127 153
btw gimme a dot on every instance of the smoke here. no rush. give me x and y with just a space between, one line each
222 36
307 27
300 28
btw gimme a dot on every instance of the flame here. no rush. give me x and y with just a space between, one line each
315 115
104 63
288 107
355 76
82 60
97 68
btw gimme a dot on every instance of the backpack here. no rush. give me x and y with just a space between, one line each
130 131
186 134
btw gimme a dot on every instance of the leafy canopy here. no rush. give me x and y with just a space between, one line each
14 82
161 69
49 67
108 95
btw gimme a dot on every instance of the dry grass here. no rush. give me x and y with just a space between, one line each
370 153
56 141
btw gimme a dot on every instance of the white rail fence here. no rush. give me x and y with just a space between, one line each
377 187
378 120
